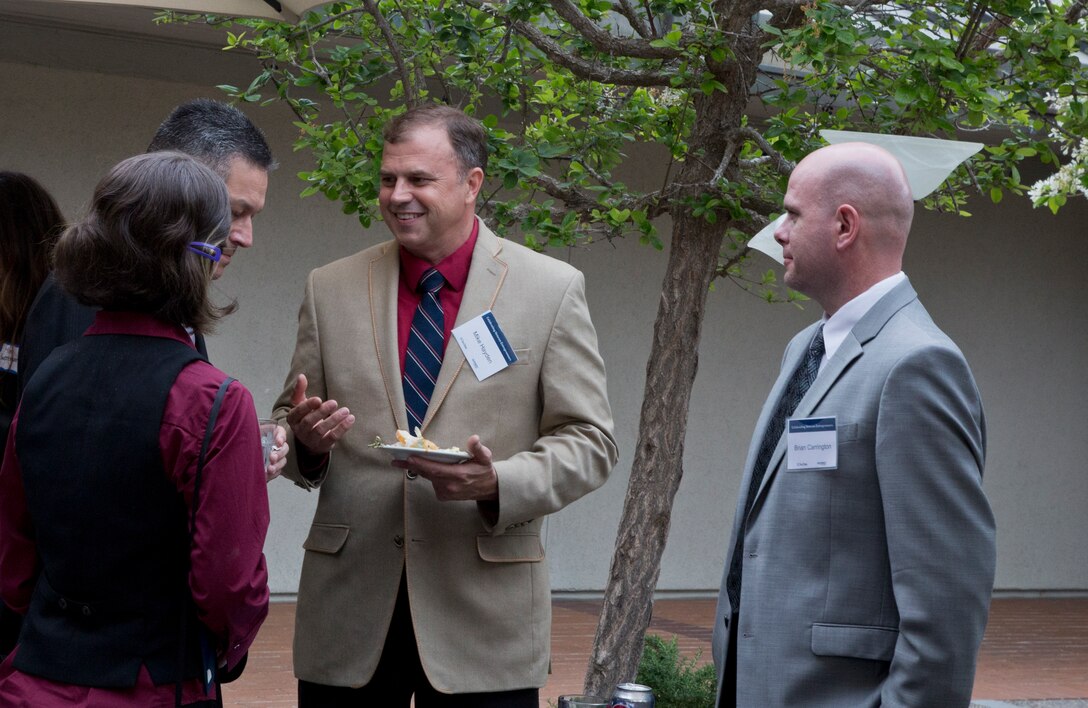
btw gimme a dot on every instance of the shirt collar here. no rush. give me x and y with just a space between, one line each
142 323
839 325
454 267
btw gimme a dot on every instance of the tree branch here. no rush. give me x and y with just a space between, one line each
581 68
587 70
1076 11
787 14
574 198
394 50
607 42
638 22
324 22
781 164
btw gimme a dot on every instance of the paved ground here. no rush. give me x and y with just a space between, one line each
1035 654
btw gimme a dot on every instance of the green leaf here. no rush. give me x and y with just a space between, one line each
905 95
709 86
950 63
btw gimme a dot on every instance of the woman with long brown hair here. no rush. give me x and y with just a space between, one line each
30 223
133 507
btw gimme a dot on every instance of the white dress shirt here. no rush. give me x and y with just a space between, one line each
839 325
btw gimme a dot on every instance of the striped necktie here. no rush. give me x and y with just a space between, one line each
423 358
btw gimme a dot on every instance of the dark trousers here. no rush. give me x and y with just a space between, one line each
728 699
400 675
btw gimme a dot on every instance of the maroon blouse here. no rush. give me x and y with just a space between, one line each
227 577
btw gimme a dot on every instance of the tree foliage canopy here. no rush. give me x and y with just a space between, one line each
605 115
573 90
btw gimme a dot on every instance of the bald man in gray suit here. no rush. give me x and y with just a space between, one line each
862 554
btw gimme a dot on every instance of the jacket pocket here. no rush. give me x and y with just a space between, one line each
848 432
326 538
854 640
510 548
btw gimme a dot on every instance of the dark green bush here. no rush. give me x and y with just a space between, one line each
677 682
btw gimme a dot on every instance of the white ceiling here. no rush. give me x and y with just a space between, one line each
109 19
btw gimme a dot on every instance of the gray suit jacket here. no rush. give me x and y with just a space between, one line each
869 584
479 592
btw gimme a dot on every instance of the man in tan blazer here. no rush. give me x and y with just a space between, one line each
429 579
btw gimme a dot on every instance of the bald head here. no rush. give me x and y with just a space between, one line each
871 180
849 210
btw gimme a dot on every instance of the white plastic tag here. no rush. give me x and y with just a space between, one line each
812 444
484 345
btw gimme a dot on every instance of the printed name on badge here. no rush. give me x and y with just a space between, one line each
812 444
484 345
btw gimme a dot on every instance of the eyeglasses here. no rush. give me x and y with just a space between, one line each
212 253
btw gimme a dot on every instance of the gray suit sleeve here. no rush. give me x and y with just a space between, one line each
930 443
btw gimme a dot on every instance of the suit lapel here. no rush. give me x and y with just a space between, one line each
384 274
485 277
852 348
797 350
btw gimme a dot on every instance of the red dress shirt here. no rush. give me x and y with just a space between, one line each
454 268
227 577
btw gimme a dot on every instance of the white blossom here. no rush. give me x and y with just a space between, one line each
1071 177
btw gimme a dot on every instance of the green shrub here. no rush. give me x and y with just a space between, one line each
677 682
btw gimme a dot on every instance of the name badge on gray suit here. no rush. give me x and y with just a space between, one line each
812 444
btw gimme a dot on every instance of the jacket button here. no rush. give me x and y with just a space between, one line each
398 541
410 474
62 603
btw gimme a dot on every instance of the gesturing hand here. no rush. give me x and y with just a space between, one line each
317 424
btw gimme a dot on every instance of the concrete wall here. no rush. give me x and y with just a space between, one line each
1007 284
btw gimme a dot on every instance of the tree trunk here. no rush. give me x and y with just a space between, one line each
658 463
670 374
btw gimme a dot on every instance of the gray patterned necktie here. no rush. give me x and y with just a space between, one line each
796 389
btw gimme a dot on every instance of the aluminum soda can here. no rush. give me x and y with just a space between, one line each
632 695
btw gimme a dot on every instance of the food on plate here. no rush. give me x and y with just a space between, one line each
413 442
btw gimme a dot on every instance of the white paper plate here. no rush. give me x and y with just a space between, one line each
403 453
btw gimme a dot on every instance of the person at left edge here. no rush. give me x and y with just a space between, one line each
30 223
126 570
222 138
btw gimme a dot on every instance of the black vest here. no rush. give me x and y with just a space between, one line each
111 530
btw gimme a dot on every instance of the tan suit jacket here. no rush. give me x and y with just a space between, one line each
479 593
